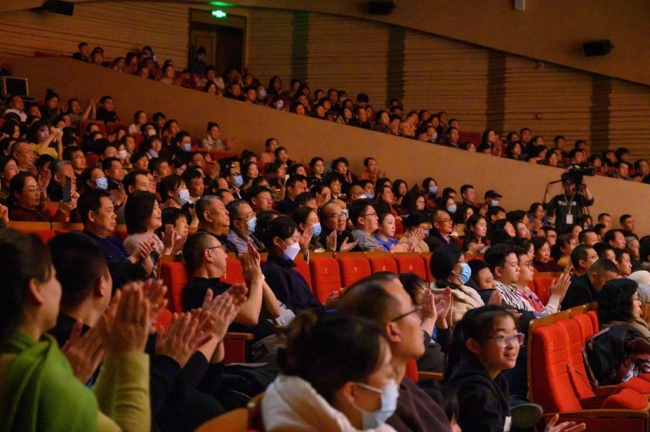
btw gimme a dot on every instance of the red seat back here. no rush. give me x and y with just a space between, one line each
550 383
386 263
45 235
302 267
353 269
410 263
577 371
593 315
234 271
586 325
174 274
411 371
100 124
426 257
326 277
542 287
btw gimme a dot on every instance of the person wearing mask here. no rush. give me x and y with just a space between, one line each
306 218
336 375
394 311
242 226
282 240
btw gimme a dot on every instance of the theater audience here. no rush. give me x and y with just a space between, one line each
618 303
584 289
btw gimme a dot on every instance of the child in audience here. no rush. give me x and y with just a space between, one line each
336 375
485 344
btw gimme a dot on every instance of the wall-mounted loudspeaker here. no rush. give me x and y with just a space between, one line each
597 48
60 7
381 7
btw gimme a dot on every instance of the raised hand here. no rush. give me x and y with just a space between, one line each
4 214
168 238
331 241
443 305
125 323
346 247
428 306
560 286
305 238
496 298
331 300
400 247
85 353
154 293
251 261
44 178
184 336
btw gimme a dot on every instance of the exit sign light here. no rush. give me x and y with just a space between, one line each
219 14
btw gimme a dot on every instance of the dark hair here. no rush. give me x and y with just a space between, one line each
496 255
331 349
444 259
615 301
368 299
169 184
471 222
476 324
562 241
356 209
416 218
23 257
477 265
193 252
579 253
264 218
91 200
16 185
139 207
280 227
413 284
539 242
171 215
79 263
107 163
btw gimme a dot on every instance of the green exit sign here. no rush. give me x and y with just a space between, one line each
219 14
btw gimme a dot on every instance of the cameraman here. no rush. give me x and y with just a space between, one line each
568 206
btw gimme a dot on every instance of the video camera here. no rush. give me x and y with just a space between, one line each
576 173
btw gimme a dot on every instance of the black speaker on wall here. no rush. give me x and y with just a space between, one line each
597 48
60 7
380 7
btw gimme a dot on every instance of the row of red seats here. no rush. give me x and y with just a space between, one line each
558 380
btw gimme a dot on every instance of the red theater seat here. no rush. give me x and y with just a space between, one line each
326 277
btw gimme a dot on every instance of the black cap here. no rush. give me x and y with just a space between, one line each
492 194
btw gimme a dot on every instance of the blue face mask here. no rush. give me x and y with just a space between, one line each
346 214
433 190
238 180
494 203
434 137
427 232
370 195
389 395
102 183
465 273
452 208
251 225
316 229
187 147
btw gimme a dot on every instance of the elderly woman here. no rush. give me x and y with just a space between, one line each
619 303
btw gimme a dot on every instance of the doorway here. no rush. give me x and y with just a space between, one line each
223 40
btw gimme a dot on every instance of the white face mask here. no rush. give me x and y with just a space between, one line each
389 396
291 252
122 154
184 196
151 132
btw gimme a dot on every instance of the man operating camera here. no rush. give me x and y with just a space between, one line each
569 205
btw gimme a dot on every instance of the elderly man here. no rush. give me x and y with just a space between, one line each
242 226
335 234
214 219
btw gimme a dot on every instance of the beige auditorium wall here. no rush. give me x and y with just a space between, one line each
520 183
118 30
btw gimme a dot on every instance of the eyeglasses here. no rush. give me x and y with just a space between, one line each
336 216
504 341
417 309
369 214
223 247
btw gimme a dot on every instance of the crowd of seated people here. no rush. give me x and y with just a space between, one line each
159 181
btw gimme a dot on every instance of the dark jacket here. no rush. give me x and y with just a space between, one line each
580 292
288 285
416 411
482 401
